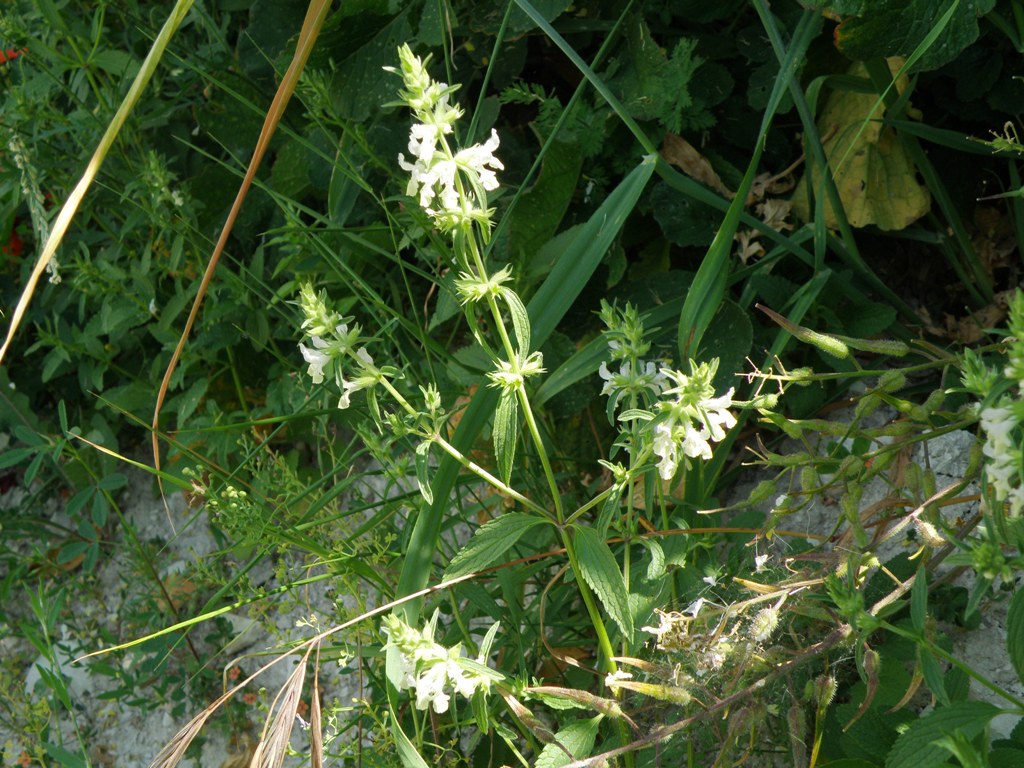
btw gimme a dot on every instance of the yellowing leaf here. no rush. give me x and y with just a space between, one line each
876 179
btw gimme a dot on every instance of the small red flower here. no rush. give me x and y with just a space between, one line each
14 246
234 672
24 760
249 698
10 54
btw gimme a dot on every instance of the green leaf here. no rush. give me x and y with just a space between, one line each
601 572
919 600
884 28
189 399
13 456
653 86
360 85
492 540
1015 632
932 673
520 319
423 471
577 738
729 337
583 255
540 209
506 430
656 564
406 751
915 747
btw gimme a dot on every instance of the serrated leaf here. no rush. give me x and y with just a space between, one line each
932 674
520 320
601 572
491 541
919 600
577 738
1015 632
896 27
506 429
915 747
423 471
656 564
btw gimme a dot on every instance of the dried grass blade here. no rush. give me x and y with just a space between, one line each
316 735
314 20
171 754
276 734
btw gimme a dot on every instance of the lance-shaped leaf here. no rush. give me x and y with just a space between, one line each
601 571
506 428
491 541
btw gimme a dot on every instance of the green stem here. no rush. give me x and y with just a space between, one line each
483 474
937 651
603 641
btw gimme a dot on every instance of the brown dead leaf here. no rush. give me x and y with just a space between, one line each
972 327
680 153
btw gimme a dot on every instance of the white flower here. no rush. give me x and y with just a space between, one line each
694 608
430 669
612 679
316 359
645 378
695 442
1003 469
665 447
480 161
998 423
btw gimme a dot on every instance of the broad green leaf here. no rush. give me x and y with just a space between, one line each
577 738
915 748
581 258
360 86
875 177
1015 632
656 563
882 28
492 540
506 430
601 572
729 337
540 209
683 220
406 751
